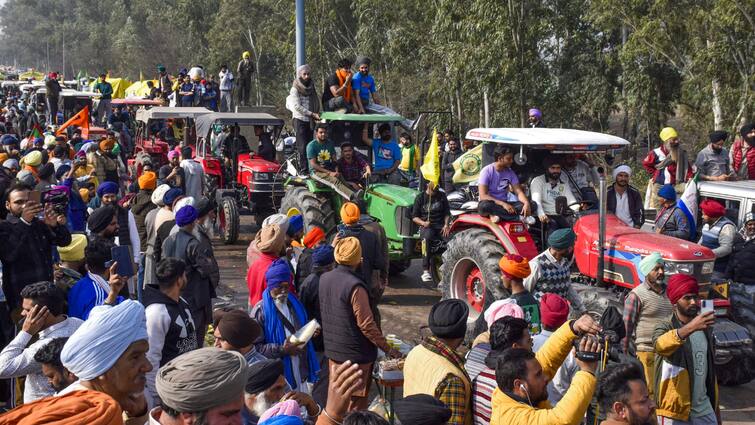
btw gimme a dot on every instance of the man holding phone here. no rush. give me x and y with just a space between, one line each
29 258
686 387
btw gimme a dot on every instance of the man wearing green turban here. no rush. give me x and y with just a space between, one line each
645 307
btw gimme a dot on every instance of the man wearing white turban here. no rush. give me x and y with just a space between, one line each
108 353
624 200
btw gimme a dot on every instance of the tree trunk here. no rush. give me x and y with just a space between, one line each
715 101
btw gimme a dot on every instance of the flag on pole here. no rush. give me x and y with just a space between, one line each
688 204
467 167
36 131
431 165
81 119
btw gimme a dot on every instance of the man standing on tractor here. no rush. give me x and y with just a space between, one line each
432 213
718 233
353 167
226 89
245 69
742 153
386 155
667 164
452 153
106 95
551 270
410 154
321 155
713 161
545 188
646 307
164 85
624 200
497 181
684 366
304 105
193 172
671 221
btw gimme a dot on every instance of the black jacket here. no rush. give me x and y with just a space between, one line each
140 206
741 267
341 334
447 168
200 267
636 209
179 336
309 294
27 255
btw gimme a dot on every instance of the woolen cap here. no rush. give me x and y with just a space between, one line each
239 329
448 319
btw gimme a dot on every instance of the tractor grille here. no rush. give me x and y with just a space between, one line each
266 183
404 224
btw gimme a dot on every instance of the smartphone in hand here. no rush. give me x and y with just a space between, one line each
122 256
706 306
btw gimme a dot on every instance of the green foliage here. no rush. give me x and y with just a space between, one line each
621 66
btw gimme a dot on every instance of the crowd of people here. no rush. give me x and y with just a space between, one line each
111 282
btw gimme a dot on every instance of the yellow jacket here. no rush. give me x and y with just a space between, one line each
572 407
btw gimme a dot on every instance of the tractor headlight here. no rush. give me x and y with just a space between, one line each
673 268
708 267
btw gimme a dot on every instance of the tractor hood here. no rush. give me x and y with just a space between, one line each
620 237
257 164
394 194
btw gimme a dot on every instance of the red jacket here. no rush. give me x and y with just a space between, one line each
737 156
255 278
666 175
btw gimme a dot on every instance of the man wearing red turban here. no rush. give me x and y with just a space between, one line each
687 388
718 232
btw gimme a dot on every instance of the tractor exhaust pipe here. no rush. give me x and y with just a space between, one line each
602 229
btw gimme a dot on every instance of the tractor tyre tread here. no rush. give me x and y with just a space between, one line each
231 212
315 210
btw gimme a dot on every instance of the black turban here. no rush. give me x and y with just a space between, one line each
186 152
204 206
448 319
422 409
550 161
718 135
239 329
611 320
46 171
262 375
100 218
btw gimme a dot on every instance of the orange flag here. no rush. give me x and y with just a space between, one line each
81 119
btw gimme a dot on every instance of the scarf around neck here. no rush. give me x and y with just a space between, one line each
310 92
342 74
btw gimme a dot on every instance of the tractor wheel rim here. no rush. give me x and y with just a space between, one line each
467 284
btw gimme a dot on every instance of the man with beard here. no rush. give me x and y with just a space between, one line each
103 223
713 161
671 221
545 188
71 267
624 200
498 181
365 93
718 233
582 177
667 164
687 391
623 395
741 268
304 104
266 386
202 272
646 307
535 118
352 167
106 163
521 396
742 153
386 155
128 234
281 315
96 287
108 353
172 173
57 375
447 164
321 156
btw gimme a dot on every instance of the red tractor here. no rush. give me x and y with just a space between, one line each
470 263
241 180
150 141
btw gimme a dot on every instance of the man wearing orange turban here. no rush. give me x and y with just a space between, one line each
718 233
106 163
78 407
514 269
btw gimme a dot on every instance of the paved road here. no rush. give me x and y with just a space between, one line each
405 307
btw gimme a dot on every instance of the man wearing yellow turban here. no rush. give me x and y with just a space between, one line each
71 268
667 164
244 70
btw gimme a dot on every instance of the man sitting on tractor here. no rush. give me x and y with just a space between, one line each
321 154
671 221
266 149
546 188
232 146
582 177
718 233
353 167
497 180
386 155
410 154
624 200
551 270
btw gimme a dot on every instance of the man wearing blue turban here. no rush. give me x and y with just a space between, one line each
281 315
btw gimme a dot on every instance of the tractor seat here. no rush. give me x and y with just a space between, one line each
469 206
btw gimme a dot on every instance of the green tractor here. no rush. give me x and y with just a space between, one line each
389 204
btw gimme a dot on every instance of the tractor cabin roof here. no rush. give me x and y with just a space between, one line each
553 139
205 122
164 112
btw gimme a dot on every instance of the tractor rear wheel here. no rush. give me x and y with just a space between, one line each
470 270
315 210
228 221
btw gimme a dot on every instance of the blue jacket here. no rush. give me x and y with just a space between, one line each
85 295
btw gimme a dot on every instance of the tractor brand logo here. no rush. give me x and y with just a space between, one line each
697 254
470 165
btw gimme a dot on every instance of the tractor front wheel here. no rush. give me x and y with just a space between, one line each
228 221
470 270
316 211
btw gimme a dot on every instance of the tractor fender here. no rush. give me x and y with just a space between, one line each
512 239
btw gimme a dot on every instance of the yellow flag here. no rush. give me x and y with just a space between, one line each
431 165
467 167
